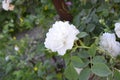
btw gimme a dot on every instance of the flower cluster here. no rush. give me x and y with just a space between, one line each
7 6
61 37
108 41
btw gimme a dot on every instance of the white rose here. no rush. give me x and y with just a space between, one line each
6 5
117 29
61 37
108 42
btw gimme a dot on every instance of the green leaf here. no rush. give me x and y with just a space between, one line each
83 54
85 74
117 74
92 50
105 12
66 58
77 62
101 69
9 67
99 59
82 34
90 27
76 20
70 73
18 74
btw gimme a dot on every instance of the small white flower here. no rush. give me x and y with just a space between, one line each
108 42
16 48
78 70
6 5
61 37
117 29
7 58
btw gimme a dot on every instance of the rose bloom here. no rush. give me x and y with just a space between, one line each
7 6
108 42
61 37
117 29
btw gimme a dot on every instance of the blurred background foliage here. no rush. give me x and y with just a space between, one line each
31 61
26 15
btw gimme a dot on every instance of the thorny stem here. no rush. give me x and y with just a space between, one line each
77 46
74 49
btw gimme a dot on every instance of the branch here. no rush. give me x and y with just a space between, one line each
62 10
